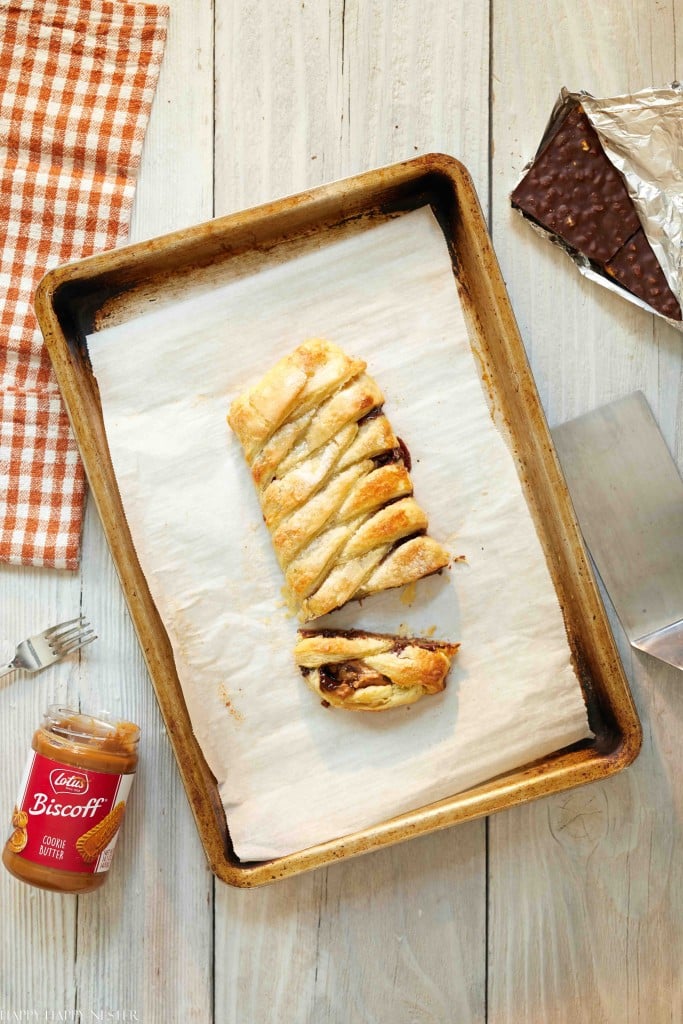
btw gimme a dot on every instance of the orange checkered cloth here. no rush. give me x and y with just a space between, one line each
77 78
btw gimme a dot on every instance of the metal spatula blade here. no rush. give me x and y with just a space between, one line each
628 497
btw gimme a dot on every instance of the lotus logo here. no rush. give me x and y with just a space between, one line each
68 781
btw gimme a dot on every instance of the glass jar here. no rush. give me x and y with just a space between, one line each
71 801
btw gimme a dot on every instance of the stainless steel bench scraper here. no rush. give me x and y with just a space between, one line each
628 498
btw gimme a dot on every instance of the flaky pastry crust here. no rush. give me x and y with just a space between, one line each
333 480
372 671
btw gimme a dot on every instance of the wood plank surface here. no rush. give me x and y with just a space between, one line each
116 951
38 943
572 910
586 911
310 94
159 880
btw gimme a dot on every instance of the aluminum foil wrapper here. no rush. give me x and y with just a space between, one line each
642 135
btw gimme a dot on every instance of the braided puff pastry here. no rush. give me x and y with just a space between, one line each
371 671
333 480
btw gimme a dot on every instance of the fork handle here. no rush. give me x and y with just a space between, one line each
7 669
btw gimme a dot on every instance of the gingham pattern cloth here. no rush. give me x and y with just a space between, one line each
77 78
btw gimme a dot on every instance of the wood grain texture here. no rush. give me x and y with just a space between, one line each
38 942
415 79
585 914
159 879
396 936
308 93
115 951
278 99
393 937
585 899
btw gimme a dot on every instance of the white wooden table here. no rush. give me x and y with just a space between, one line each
568 909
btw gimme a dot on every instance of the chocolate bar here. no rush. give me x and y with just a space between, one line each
636 268
574 191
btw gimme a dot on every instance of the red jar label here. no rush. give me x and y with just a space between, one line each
68 817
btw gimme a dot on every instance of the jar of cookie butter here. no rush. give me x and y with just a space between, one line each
71 801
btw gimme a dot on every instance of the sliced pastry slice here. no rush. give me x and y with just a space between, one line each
333 480
371 671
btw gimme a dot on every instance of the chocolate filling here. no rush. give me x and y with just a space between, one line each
398 454
399 643
347 676
405 454
387 458
373 414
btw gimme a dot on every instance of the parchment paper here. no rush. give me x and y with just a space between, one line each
292 773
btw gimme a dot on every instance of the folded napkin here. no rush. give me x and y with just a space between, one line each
77 78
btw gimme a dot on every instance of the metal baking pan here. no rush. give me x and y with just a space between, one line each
80 298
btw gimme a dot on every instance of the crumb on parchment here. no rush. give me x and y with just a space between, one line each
225 698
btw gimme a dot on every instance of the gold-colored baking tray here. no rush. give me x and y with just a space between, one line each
75 300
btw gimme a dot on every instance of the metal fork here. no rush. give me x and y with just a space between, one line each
49 646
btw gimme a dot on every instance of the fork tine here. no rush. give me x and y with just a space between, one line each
86 639
60 639
49 633
75 638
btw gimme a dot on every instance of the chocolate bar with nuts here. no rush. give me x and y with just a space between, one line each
574 191
636 268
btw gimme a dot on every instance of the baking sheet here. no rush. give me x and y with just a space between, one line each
291 773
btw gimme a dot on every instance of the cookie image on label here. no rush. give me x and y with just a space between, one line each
18 840
19 818
93 842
